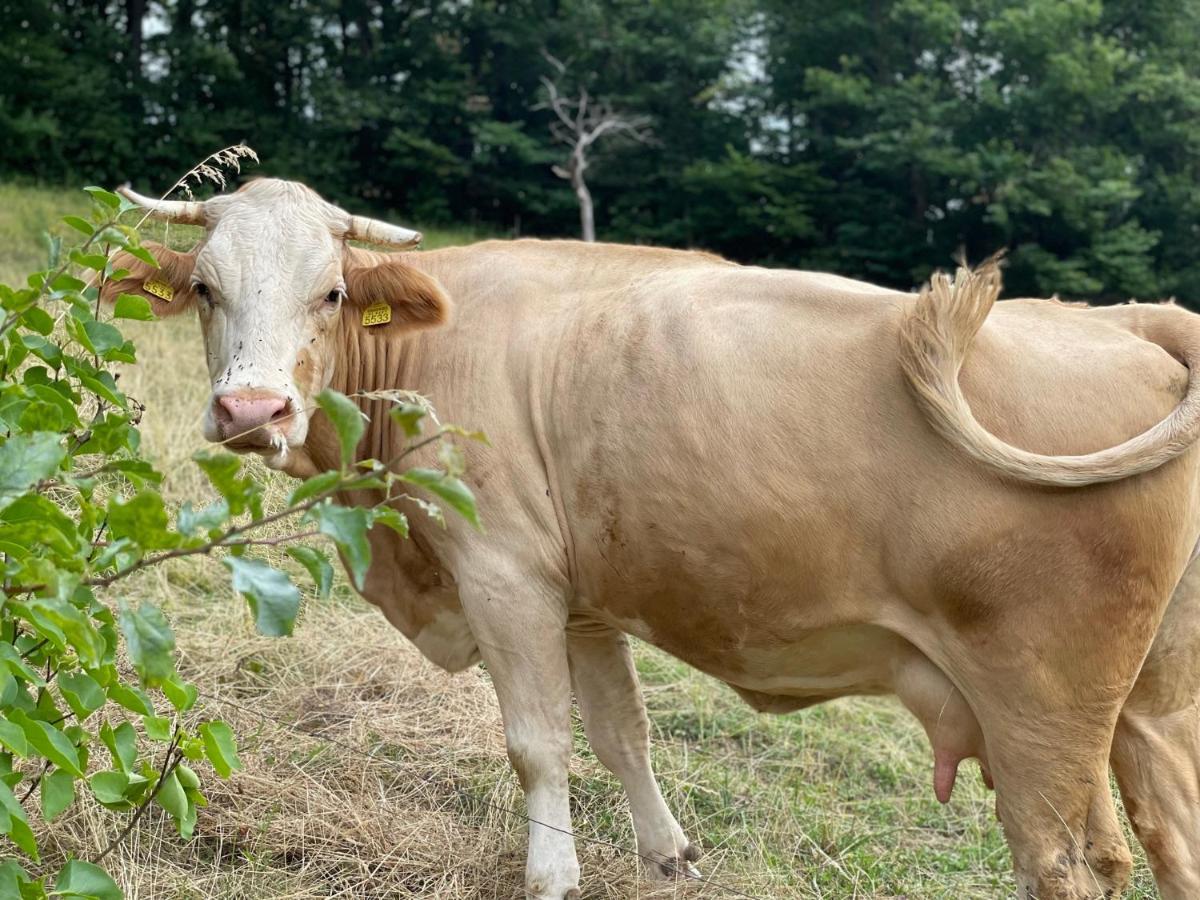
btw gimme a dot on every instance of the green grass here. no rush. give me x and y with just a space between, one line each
834 801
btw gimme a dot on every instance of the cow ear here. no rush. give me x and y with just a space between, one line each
168 288
414 299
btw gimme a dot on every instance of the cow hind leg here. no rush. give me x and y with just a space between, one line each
1157 762
614 717
522 639
1053 800
1156 750
1047 707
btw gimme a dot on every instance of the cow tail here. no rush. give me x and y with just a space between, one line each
936 333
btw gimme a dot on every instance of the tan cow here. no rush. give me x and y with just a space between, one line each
774 476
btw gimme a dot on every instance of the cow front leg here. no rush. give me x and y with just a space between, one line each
614 717
520 628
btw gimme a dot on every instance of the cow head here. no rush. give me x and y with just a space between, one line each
275 284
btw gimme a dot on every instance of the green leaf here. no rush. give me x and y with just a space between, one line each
16 665
188 778
58 617
12 736
122 745
347 526
143 519
94 261
392 518
109 787
14 823
58 792
15 883
158 728
150 642
408 416
85 881
37 524
181 694
132 306
223 470
273 598
220 748
50 742
132 698
317 565
39 320
82 693
144 255
103 337
448 488
171 797
79 224
138 471
26 459
101 195
347 420
318 484
212 516
47 351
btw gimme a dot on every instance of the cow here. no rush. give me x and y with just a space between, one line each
803 485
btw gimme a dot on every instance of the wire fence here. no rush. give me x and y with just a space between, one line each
402 769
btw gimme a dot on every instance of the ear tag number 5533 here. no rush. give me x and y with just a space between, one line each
159 289
377 314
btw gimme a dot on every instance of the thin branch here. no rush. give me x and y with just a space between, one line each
171 759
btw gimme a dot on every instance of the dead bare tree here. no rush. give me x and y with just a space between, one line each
581 123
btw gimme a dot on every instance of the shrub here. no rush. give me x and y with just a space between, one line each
90 699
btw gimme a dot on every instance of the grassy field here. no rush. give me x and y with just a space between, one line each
395 783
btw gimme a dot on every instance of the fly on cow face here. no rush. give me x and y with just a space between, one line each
272 281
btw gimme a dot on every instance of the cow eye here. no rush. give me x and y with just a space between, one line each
203 293
334 296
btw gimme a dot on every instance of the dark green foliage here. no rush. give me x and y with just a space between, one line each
875 139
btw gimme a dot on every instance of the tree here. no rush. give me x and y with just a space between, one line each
581 122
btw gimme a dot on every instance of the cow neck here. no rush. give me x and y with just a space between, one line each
369 361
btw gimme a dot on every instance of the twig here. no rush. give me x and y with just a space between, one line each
170 760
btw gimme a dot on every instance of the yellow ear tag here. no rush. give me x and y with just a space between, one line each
377 314
159 289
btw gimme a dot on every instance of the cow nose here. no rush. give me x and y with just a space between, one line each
243 411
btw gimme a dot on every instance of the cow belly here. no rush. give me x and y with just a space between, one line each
882 663
828 663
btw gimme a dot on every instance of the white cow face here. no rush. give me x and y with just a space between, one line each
276 287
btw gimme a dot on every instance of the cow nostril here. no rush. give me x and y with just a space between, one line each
249 410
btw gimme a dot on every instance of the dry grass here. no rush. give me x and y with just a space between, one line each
392 779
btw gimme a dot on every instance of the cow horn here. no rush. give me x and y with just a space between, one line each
184 212
373 231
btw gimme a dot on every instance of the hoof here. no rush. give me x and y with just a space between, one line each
679 866
534 893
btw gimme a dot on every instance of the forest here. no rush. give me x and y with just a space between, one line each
878 139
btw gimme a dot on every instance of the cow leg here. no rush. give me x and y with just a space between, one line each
1156 750
1052 797
520 624
1157 762
1047 704
614 717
